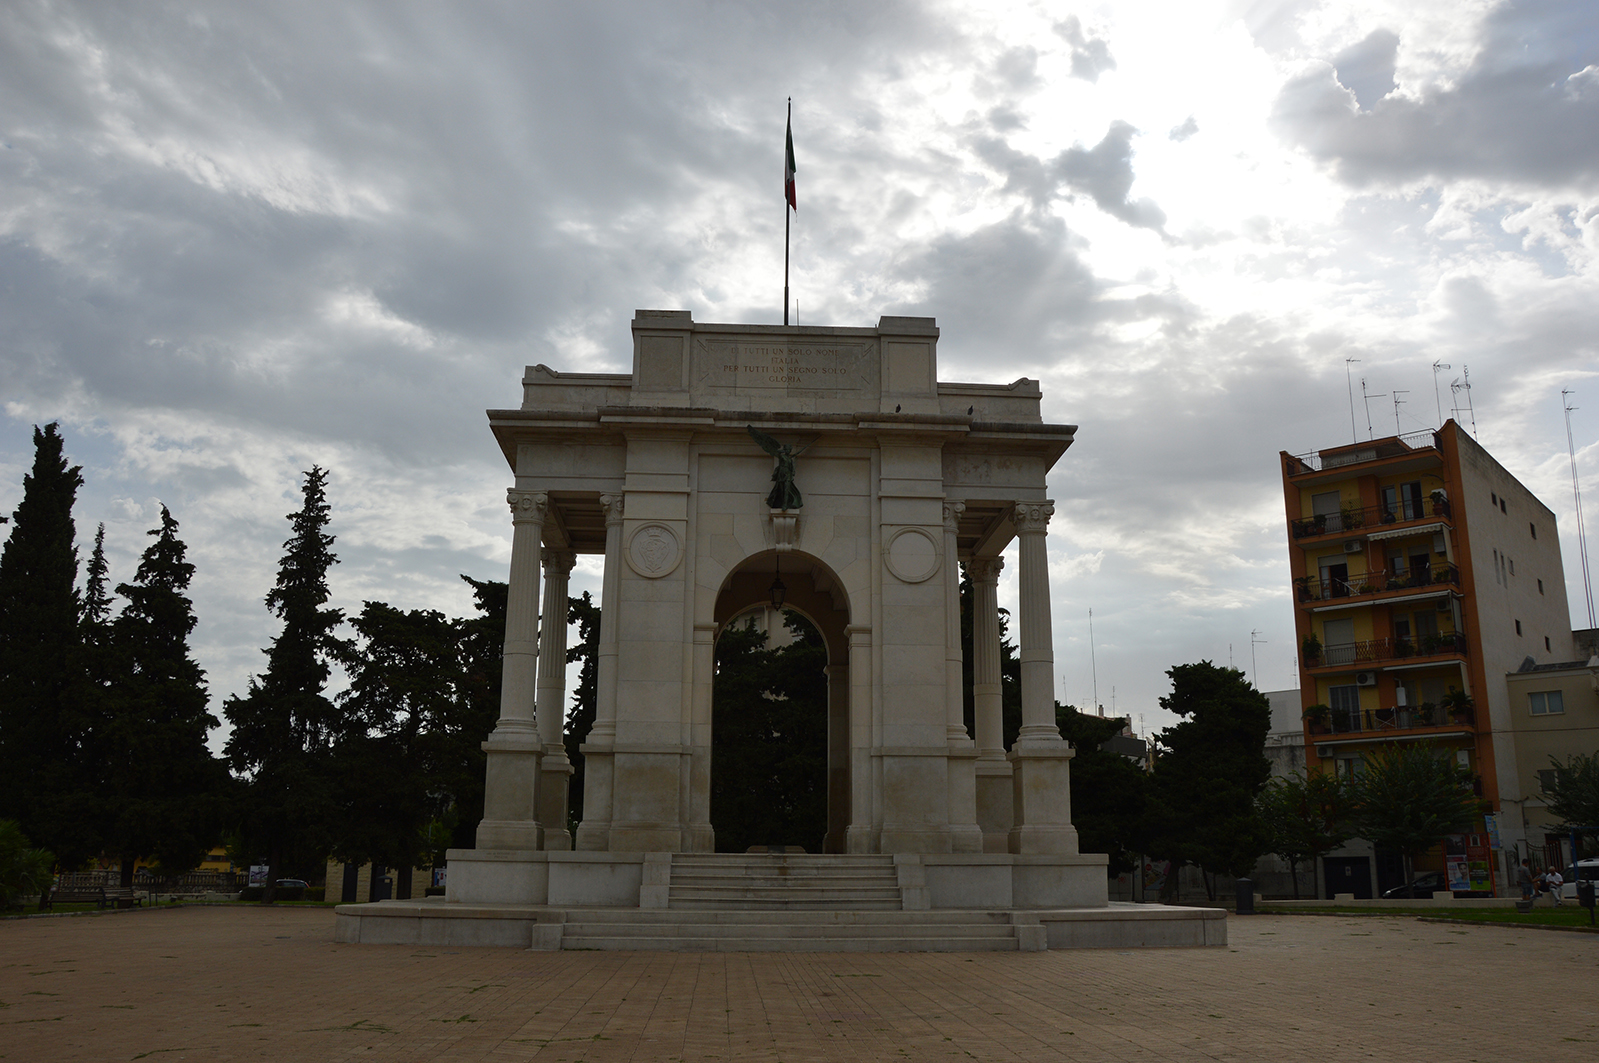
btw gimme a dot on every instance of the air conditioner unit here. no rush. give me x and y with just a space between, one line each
1365 679
1443 605
1323 752
1354 546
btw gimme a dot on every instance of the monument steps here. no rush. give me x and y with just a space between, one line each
783 882
801 931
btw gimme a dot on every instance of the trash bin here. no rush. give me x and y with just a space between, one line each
1246 896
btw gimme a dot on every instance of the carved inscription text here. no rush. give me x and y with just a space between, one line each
765 364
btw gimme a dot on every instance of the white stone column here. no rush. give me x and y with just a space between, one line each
965 835
593 834
556 772
510 789
954 663
838 761
994 812
1037 635
1040 759
862 835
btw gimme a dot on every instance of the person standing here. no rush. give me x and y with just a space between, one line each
1524 880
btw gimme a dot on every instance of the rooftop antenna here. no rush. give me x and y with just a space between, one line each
1092 663
1576 494
1437 367
1354 436
1458 386
1397 403
1371 433
1253 667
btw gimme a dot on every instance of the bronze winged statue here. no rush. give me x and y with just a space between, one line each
784 494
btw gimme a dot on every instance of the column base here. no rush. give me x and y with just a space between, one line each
1042 798
508 835
555 784
995 802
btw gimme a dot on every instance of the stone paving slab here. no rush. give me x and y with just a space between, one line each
248 982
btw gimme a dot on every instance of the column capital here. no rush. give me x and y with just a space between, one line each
558 562
952 515
612 505
1032 516
527 505
984 569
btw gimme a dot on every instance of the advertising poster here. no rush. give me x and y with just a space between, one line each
1155 872
1459 872
1492 820
258 874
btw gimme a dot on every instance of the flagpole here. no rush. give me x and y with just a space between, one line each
786 211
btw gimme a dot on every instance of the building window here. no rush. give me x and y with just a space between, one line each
1547 703
1502 508
1546 646
1493 499
1512 563
1534 528
1518 627
1546 779
1540 586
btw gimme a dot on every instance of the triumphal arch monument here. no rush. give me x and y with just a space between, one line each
828 469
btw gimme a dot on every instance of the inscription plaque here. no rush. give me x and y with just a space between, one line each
783 363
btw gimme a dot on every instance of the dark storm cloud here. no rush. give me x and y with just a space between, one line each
1367 67
1103 172
1090 56
1526 110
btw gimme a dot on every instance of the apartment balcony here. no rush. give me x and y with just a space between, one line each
1401 718
1358 521
1374 584
1377 651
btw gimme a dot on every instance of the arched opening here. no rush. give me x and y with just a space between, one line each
780 707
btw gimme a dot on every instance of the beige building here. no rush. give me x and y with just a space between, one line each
1554 712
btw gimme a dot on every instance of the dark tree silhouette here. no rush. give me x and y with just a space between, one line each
165 791
585 699
46 766
283 727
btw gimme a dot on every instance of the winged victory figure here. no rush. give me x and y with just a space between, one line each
784 494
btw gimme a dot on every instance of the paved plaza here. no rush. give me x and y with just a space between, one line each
255 983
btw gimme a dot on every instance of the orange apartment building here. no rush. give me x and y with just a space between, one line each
1421 567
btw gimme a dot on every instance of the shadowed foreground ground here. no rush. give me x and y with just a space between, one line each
255 983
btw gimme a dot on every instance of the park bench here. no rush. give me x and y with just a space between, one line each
113 897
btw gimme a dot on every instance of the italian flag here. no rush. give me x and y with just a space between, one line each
788 170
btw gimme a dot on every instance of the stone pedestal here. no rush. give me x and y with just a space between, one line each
1042 798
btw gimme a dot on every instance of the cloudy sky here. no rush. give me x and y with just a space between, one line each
238 239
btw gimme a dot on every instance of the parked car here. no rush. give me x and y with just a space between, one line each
293 884
1427 883
1588 870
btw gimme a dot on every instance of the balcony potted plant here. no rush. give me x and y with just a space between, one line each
1312 650
1318 716
1351 517
1458 704
1440 504
1366 588
1426 714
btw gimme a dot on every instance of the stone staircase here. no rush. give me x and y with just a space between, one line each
783 882
755 902
677 930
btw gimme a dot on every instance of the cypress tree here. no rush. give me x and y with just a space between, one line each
46 780
284 726
165 789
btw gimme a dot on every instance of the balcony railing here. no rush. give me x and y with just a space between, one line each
1400 718
1315 589
1354 520
1345 654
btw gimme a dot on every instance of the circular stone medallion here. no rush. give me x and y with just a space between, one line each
911 555
653 551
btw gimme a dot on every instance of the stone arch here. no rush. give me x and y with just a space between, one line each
813 590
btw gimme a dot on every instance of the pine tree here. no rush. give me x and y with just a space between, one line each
585 699
165 790
1208 775
45 779
284 726
482 645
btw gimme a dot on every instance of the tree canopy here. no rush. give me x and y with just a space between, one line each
1409 795
1305 818
46 774
284 726
1209 771
1573 795
1110 793
165 792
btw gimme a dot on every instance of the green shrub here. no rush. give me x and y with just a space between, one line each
24 871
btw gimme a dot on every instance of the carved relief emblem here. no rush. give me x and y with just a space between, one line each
653 551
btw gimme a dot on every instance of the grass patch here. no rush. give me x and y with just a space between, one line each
1569 915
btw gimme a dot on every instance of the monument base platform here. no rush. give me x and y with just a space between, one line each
776 902
439 923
